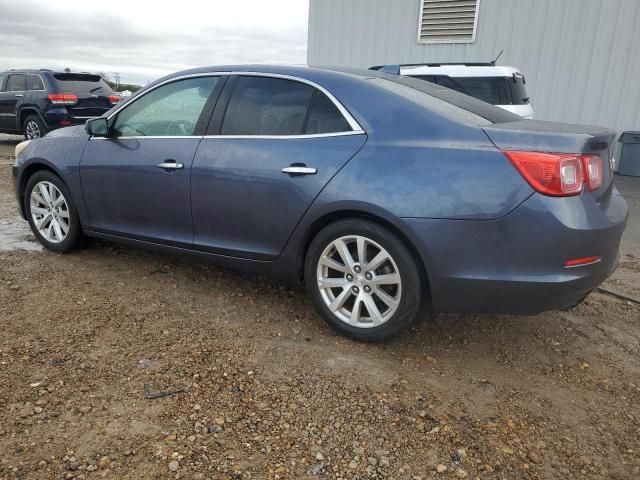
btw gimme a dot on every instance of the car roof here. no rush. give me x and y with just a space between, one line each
42 70
460 70
302 71
342 80
25 70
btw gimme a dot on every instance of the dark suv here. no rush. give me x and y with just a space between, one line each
33 102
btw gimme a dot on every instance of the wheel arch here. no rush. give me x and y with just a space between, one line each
321 222
28 172
24 113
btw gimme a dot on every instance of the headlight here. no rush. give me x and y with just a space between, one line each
21 146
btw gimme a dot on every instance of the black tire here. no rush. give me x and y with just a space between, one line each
411 287
33 124
74 236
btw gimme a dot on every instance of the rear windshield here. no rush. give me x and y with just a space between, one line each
82 83
493 90
465 102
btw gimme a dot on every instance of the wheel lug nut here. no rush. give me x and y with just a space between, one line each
368 276
367 288
355 290
357 268
349 277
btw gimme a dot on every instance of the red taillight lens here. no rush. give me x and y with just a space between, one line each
593 171
113 99
552 174
63 98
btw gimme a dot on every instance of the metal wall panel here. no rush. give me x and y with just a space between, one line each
581 58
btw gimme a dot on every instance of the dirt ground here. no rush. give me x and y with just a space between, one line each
256 386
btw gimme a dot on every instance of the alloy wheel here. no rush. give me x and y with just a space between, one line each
32 130
359 281
49 211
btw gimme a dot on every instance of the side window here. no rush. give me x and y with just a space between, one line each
494 90
16 83
170 110
448 82
34 82
267 106
3 80
324 116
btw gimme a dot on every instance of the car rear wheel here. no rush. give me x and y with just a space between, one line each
33 128
51 212
363 280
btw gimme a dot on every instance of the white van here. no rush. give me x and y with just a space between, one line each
501 86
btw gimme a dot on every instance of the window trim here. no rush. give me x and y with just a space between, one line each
355 126
207 110
423 41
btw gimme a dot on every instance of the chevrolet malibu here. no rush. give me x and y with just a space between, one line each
375 192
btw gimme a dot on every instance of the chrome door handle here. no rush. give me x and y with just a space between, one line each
18 95
295 170
171 165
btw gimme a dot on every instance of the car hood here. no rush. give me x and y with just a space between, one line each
74 131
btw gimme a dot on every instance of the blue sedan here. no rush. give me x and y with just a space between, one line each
375 192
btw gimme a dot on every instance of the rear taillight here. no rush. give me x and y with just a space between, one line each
113 99
558 175
63 98
592 171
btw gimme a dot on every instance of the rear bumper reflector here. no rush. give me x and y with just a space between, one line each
579 262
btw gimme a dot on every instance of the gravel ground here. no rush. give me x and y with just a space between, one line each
120 363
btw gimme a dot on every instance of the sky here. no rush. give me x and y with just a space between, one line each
144 40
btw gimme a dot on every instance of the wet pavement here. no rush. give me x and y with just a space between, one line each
8 144
16 235
14 231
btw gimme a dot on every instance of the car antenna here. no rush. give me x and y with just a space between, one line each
493 63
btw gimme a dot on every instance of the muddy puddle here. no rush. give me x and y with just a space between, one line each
16 235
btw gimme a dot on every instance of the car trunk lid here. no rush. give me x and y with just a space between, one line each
553 137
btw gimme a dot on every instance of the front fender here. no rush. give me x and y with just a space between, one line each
59 154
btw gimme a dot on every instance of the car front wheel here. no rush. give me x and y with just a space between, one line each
364 281
51 212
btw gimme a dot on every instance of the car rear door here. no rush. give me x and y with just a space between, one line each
15 86
274 143
136 182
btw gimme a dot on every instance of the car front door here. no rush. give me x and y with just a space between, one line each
273 144
14 89
136 181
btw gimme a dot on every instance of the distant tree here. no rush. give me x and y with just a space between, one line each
118 87
123 86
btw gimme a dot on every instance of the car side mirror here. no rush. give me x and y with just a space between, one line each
97 127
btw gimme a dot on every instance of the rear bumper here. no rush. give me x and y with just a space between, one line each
60 117
516 264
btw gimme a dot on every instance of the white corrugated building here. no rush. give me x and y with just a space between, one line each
581 58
